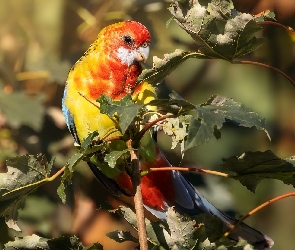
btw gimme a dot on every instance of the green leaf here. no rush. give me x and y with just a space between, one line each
122 236
182 230
252 167
26 242
202 231
124 110
163 67
210 227
176 105
112 157
218 29
86 148
61 243
210 117
21 109
154 230
24 174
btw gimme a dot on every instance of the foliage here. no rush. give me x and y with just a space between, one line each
219 32
64 242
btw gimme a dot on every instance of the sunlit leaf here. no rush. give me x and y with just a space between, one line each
25 174
199 232
218 29
112 157
163 67
61 243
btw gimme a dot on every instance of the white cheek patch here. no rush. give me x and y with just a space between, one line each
128 56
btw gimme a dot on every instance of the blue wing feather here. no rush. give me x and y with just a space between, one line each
69 118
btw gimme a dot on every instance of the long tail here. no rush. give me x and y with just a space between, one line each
161 189
178 192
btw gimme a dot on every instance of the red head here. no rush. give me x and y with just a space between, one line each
112 63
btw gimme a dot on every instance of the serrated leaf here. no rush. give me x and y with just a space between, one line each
112 157
163 67
182 232
252 167
124 110
21 109
155 231
176 128
219 30
24 174
212 227
27 242
122 236
175 105
61 243
210 117
85 149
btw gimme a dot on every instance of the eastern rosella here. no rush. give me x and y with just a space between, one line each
111 66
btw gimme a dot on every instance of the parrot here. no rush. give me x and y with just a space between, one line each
111 66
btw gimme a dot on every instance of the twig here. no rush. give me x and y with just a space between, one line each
269 67
200 170
58 173
48 179
287 28
138 203
149 125
87 99
113 138
257 209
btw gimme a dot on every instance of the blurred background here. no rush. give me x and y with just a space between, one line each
40 40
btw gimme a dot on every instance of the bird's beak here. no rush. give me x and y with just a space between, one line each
142 54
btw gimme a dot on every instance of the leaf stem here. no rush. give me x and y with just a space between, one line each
287 28
200 170
150 124
48 179
96 104
257 209
269 67
138 203
58 173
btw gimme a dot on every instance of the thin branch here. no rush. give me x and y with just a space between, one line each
53 177
58 173
149 125
199 170
257 209
113 138
92 102
138 203
287 28
269 67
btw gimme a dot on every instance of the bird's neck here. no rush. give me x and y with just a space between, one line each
96 75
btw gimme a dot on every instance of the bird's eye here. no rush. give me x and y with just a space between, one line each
145 44
128 40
